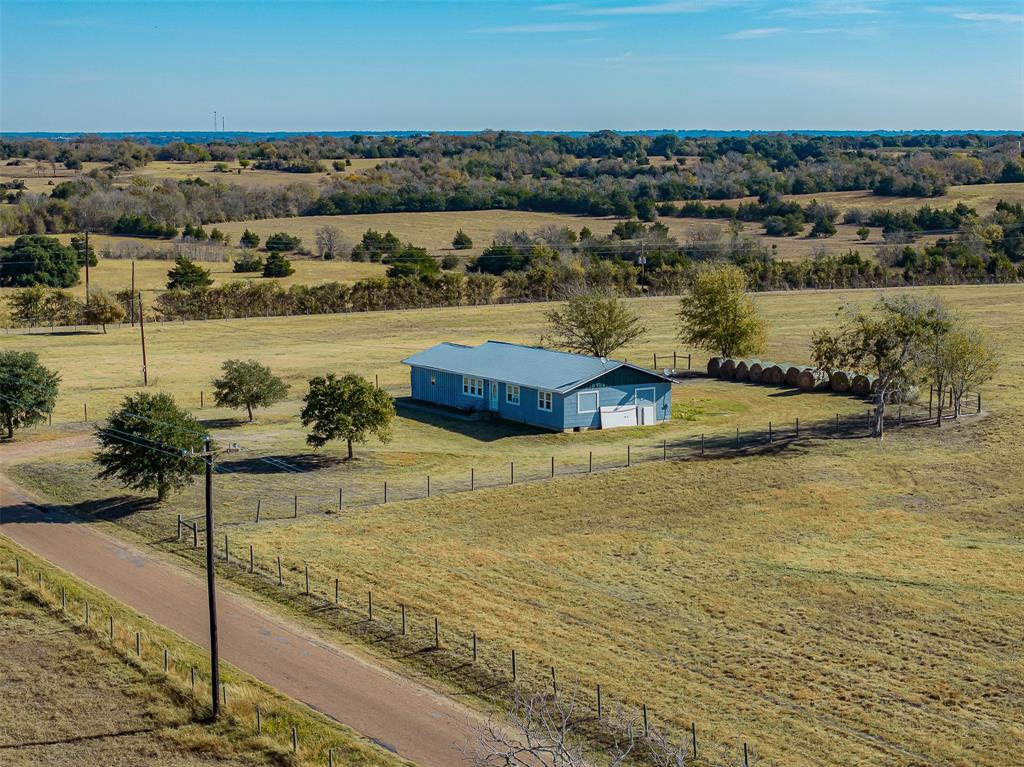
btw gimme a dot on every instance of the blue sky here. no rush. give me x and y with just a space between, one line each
430 64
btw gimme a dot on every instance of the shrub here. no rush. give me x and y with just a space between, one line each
462 241
37 260
277 265
249 239
281 242
247 264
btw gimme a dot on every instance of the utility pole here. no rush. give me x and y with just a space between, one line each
222 123
642 261
214 120
208 455
142 334
86 267
133 293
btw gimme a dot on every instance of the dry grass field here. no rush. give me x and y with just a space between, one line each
837 601
73 698
981 197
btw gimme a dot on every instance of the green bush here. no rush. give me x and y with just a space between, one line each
277 265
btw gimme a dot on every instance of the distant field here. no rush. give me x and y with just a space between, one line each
72 699
151 274
842 601
981 197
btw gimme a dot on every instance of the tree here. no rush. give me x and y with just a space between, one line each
29 390
718 315
348 408
863 232
968 360
37 260
248 384
247 264
145 442
249 239
277 266
187 275
462 241
891 342
823 227
410 261
78 245
102 309
282 243
593 322
330 243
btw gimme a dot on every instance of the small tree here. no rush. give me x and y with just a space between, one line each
249 239
863 232
103 308
145 442
277 266
282 242
719 316
248 384
187 275
348 408
968 360
330 243
29 390
823 227
593 322
247 264
462 241
892 342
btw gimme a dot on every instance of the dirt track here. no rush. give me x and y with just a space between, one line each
401 715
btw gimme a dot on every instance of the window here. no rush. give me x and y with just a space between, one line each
512 394
544 400
473 387
586 402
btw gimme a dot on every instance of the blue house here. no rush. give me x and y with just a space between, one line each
550 389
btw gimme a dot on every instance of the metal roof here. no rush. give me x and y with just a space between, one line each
530 366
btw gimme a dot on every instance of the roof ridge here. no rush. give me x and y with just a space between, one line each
554 351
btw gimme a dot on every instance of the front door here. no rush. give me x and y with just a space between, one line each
494 395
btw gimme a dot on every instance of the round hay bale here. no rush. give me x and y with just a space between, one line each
840 381
743 370
756 371
727 371
812 380
713 365
775 375
862 385
793 374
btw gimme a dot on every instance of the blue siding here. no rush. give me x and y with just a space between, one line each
618 387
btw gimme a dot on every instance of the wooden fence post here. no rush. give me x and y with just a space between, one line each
252 560
192 674
702 444
138 644
737 437
428 486
798 426
295 508
693 739
167 661
590 468
403 620
689 359
226 554
554 683
647 731
770 432
295 741
259 721
837 423
514 676
280 573
369 605
87 613
110 627
63 598
341 499
306 568
664 450
629 455
472 479
599 701
474 647
336 589
552 466
259 503
437 633
385 491
511 472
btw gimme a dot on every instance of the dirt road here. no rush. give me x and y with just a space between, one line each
400 714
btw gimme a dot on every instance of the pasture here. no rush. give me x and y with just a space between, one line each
73 697
835 601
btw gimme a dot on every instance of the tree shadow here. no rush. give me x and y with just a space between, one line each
103 509
283 464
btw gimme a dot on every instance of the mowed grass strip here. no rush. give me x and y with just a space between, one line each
73 697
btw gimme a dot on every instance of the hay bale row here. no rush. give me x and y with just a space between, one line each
807 378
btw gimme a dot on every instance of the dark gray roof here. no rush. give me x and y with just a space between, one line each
517 364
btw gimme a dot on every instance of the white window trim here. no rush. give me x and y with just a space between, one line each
473 387
579 401
540 400
509 399
654 395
